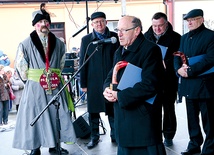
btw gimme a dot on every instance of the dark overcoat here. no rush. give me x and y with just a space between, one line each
197 42
95 71
138 123
171 40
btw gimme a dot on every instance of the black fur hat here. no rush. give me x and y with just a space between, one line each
39 15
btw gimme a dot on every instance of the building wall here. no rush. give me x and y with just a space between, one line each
16 20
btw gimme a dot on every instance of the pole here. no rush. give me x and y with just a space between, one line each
86 3
123 7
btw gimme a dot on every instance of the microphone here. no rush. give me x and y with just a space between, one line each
112 40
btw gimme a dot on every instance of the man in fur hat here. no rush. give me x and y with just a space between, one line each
39 61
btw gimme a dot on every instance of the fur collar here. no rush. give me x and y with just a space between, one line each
51 44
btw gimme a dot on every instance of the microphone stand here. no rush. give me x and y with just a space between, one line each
57 104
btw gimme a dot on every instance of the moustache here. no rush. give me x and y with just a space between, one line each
44 27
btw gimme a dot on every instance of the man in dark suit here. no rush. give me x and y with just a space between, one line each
161 32
138 124
93 74
197 89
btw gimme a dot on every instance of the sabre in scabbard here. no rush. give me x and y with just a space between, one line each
117 67
182 55
184 61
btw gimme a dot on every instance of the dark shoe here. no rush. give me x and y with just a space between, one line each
5 123
92 144
35 152
168 142
191 151
55 151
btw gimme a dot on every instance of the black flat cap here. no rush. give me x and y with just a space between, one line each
98 15
194 13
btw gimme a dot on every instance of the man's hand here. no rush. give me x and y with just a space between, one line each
84 90
110 95
183 70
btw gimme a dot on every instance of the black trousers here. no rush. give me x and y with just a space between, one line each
94 125
94 122
206 109
158 149
169 117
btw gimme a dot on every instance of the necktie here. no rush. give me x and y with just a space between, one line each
44 43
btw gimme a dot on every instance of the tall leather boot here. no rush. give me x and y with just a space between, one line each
94 126
35 152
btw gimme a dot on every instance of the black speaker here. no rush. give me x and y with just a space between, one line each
81 127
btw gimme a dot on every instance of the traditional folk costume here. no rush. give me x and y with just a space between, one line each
31 62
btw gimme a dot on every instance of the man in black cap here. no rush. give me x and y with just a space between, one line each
194 13
94 72
197 85
42 55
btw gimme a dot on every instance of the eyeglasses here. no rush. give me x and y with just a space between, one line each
159 26
98 22
192 19
124 30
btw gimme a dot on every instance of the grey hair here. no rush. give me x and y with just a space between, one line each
137 22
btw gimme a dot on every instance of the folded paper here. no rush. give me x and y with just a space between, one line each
131 76
198 58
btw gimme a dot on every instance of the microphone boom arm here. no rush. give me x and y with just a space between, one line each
83 28
55 97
